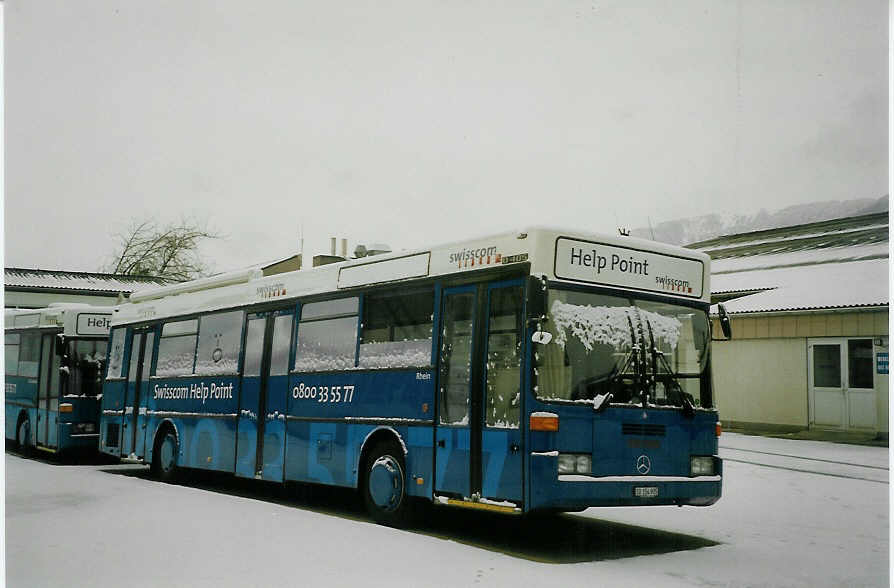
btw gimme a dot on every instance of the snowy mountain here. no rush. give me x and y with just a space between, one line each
699 228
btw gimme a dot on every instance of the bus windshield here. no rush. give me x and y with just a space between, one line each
621 346
85 362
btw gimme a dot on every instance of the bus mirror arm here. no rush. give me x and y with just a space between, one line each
725 324
537 289
59 347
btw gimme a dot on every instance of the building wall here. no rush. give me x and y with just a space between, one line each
760 377
761 381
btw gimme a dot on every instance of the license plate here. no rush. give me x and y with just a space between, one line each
646 491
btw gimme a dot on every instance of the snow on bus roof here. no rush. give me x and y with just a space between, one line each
535 245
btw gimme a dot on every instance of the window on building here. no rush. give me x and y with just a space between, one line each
859 363
397 330
327 335
827 366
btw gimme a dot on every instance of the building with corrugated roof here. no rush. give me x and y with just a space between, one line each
37 288
809 310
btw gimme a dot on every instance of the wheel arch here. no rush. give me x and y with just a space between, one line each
164 426
23 416
378 435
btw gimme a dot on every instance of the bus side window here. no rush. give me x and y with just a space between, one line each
11 344
116 354
177 349
29 355
327 335
397 330
220 338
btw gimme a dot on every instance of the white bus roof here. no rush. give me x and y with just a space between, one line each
76 320
623 263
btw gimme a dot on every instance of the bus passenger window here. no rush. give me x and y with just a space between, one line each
219 341
397 330
116 354
177 349
504 344
12 342
282 337
29 355
327 335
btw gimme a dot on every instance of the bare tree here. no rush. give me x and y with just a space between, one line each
166 251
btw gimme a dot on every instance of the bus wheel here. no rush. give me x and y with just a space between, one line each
23 434
384 484
164 457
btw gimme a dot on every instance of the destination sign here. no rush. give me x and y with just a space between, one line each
93 324
597 263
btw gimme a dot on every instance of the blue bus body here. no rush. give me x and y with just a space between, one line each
53 368
466 425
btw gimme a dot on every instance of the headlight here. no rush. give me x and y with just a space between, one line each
575 463
701 466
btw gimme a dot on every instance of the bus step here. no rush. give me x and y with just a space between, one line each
505 508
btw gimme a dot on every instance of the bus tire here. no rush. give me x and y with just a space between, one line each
23 434
384 484
164 457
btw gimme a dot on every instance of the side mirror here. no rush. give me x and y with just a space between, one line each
725 324
537 288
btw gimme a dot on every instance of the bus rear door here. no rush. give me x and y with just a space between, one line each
134 436
478 439
261 429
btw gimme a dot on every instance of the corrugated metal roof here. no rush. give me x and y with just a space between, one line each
15 277
810 287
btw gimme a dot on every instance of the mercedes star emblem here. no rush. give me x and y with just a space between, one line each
643 464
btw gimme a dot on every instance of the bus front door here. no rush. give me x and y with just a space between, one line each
261 429
134 430
478 439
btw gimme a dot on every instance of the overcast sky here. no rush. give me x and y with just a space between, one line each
412 123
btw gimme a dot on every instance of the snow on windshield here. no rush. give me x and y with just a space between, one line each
609 325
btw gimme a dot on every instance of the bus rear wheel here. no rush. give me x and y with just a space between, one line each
164 457
384 484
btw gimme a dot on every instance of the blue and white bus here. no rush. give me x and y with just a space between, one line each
54 366
526 371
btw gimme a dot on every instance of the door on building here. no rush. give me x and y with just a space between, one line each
841 374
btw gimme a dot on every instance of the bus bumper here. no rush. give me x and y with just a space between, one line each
551 491
70 441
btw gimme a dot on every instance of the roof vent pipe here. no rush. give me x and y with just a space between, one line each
332 245
344 248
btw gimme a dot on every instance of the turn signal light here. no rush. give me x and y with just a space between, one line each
66 407
718 428
544 423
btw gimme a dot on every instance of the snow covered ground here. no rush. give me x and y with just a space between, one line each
794 513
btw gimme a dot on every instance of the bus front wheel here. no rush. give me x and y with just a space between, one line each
164 457
384 487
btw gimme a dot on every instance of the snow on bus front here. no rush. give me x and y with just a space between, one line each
629 378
